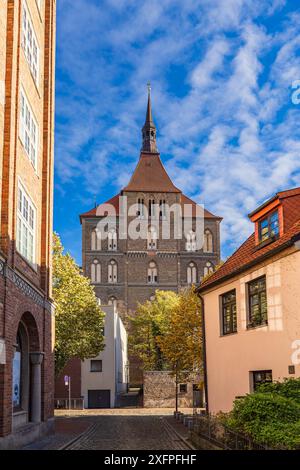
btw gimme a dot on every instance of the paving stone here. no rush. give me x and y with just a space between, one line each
129 433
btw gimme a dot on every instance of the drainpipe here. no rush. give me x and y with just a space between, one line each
204 353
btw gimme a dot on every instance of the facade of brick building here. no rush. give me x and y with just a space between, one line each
126 271
27 61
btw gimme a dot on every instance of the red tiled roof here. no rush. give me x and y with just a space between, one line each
101 210
280 195
289 193
249 254
151 176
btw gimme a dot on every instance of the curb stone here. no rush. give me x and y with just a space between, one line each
182 439
77 438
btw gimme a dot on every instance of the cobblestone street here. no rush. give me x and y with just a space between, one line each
118 429
129 433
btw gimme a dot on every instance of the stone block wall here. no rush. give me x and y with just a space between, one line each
160 391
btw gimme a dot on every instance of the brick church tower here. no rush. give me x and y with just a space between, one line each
126 271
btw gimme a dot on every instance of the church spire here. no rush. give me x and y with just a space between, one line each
149 129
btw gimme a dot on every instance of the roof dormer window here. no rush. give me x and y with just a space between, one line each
269 227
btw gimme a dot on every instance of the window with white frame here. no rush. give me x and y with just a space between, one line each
29 43
28 130
26 225
152 238
112 272
96 271
208 242
95 240
152 273
191 244
192 273
208 268
112 240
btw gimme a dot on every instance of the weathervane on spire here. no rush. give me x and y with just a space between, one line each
149 88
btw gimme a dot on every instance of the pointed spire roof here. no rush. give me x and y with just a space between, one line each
149 129
149 119
150 176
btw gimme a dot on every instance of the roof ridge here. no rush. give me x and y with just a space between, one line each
150 175
253 256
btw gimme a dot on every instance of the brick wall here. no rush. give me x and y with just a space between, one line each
73 370
25 290
133 260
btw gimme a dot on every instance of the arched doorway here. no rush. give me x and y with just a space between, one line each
26 373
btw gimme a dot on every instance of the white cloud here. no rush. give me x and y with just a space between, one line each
221 83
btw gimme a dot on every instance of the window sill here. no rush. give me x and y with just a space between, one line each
266 242
19 412
32 266
224 335
255 327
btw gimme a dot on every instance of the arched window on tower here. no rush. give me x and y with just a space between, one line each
152 238
141 211
113 301
112 272
96 272
162 209
152 273
208 268
95 240
192 273
191 244
151 208
208 242
112 240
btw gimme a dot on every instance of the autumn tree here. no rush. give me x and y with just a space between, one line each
150 323
78 318
181 343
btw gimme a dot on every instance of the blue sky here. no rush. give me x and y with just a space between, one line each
221 74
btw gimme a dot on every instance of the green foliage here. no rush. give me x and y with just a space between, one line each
181 343
289 388
78 317
270 416
149 323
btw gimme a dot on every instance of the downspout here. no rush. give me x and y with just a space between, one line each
204 354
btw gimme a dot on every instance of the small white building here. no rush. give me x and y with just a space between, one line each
106 376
